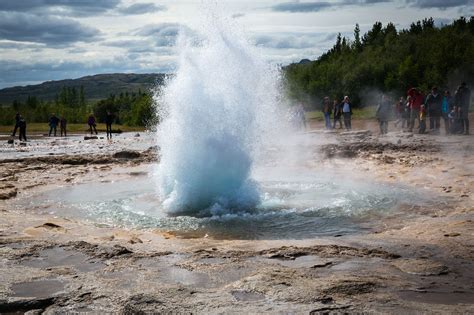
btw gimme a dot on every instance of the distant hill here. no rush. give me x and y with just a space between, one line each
98 86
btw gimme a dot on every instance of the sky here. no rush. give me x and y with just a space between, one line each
42 40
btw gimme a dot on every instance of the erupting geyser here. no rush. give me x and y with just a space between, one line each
216 113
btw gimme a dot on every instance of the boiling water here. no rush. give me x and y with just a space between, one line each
217 112
294 205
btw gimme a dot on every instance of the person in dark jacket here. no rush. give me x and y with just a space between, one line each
22 126
463 102
109 119
92 124
446 107
53 124
433 105
337 113
63 126
384 113
346 108
17 121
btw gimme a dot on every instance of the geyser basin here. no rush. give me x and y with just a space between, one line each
298 207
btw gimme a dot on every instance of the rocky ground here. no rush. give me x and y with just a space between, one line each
419 260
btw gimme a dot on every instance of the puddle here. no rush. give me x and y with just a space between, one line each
37 289
169 271
247 296
55 257
448 298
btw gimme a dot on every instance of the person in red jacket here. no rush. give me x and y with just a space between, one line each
416 100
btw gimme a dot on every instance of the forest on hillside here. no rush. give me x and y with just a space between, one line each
387 60
129 108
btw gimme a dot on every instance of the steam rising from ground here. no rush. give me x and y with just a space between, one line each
217 113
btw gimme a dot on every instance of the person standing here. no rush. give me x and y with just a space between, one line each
17 121
347 112
22 126
63 125
446 107
416 100
337 113
109 119
464 102
53 124
326 108
92 124
383 114
433 104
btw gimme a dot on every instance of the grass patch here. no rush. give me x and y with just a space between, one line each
74 128
358 113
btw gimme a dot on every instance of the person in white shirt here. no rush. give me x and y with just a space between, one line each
347 112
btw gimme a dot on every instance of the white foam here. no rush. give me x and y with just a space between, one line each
216 113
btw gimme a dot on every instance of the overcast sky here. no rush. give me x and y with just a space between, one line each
43 40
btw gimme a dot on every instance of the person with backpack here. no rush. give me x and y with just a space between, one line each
17 121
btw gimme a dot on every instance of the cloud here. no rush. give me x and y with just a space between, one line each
141 8
293 40
439 4
50 30
164 34
59 7
303 7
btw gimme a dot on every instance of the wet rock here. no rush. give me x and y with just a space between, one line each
51 226
292 252
350 287
422 267
137 135
25 305
91 138
8 193
127 155
10 141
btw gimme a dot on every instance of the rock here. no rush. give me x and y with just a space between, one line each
452 234
10 193
422 267
10 141
137 135
91 138
127 155
25 305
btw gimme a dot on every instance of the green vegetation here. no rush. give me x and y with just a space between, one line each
387 60
131 109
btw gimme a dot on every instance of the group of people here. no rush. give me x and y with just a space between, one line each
339 110
54 121
417 106
454 110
